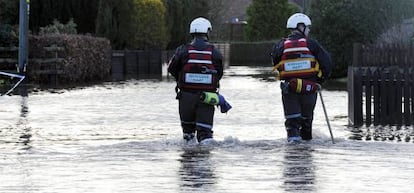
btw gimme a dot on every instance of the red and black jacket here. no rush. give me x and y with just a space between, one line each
197 66
320 55
297 61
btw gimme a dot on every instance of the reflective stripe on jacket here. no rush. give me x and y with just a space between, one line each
199 72
297 61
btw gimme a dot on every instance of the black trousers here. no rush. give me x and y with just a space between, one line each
196 116
298 109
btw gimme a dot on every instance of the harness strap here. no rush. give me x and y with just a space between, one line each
299 86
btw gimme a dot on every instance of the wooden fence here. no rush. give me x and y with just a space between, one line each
8 58
137 64
149 64
251 53
380 85
48 67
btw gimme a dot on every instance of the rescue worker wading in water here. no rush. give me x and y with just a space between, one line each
197 68
303 65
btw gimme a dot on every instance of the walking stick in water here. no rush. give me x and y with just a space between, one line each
326 115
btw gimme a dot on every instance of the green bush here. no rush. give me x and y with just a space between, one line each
8 35
59 28
133 24
266 19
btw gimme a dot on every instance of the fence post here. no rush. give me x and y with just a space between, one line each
407 85
131 64
143 64
377 96
155 64
391 92
384 92
354 97
412 93
118 65
398 98
368 96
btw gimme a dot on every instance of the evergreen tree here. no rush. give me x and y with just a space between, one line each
179 15
267 19
177 21
9 12
83 12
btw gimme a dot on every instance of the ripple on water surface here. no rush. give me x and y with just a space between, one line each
126 137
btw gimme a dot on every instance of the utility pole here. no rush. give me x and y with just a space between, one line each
304 6
23 35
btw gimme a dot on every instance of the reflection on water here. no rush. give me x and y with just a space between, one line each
126 137
299 168
382 133
23 124
196 170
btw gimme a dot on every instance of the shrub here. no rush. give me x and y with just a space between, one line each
59 28
133 24
85 58
267 19
8 35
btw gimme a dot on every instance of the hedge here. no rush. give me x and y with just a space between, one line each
85 58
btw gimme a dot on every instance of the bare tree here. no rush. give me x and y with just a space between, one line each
223 12
400 34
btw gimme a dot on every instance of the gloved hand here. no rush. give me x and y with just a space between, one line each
318 86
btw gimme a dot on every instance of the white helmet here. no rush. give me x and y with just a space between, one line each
200 25
296 19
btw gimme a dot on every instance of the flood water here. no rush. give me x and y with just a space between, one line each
126 137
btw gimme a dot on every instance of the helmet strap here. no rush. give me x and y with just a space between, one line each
302 31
